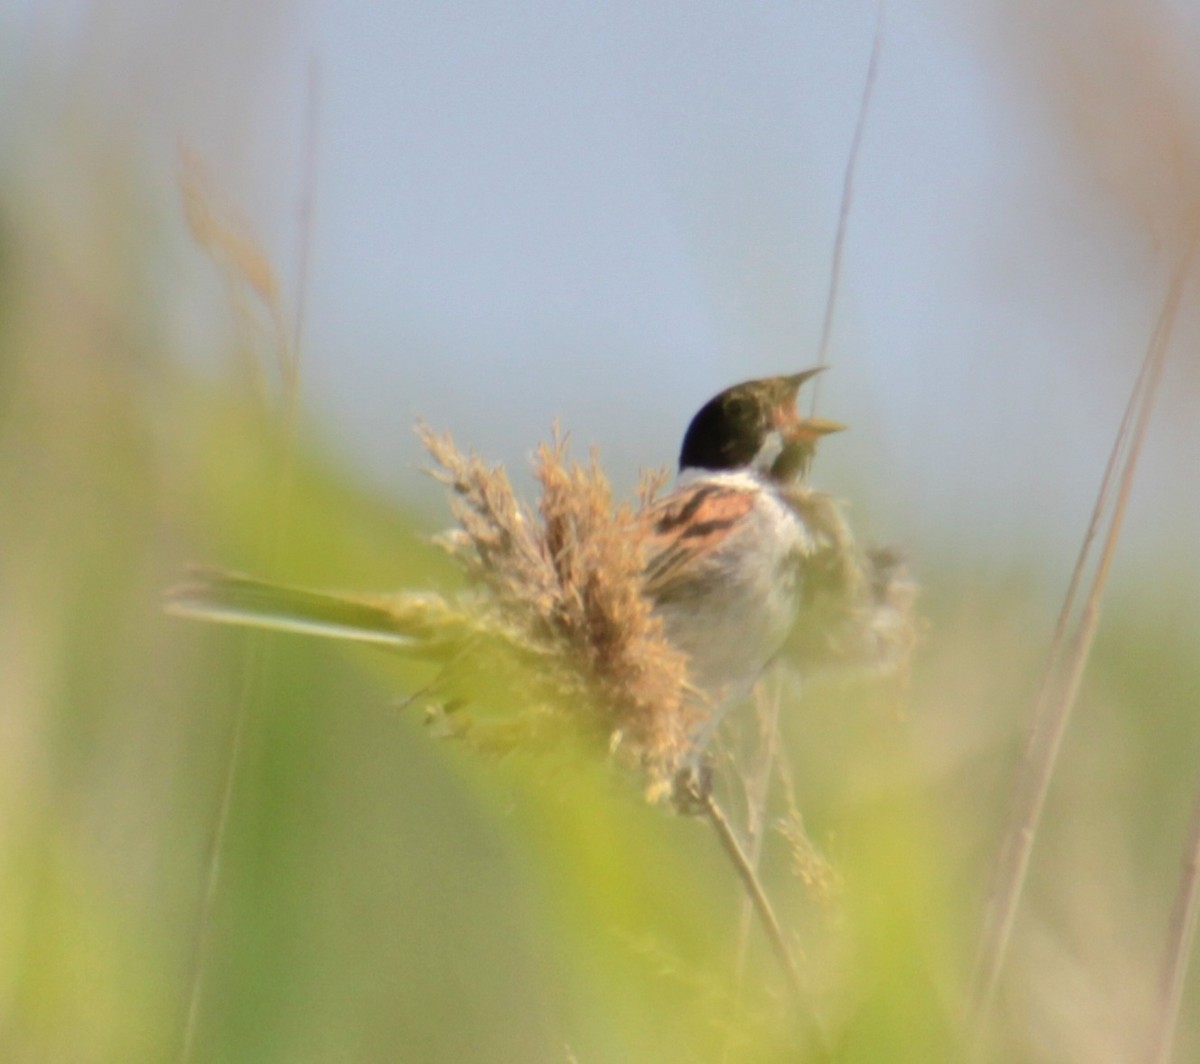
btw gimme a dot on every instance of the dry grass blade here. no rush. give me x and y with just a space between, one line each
839 241
1066 675
1181 935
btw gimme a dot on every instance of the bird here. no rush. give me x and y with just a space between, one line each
741 544
745 564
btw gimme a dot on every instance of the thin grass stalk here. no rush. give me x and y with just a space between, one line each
993 931
198 968
771 697
754 888
287 354
1181 936
768 694
768 698
1119 449
252 669
1042 751
839 240
766 913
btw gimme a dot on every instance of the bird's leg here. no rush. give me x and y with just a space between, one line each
691 792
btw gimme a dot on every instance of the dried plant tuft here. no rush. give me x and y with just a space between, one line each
809 864
225 236
566 581
222 233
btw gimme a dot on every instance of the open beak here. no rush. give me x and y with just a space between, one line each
812 428
799 443
795 381
796 429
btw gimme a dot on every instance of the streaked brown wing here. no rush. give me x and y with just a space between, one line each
686 527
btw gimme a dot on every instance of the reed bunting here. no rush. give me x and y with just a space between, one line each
745 563
748 563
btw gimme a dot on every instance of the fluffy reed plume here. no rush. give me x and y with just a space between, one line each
567 584
556 631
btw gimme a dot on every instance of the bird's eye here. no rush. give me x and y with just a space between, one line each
738 408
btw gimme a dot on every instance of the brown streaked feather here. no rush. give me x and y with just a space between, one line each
687 525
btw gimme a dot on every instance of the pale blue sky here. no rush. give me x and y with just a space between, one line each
607 212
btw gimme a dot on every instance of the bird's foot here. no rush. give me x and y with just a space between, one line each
692 787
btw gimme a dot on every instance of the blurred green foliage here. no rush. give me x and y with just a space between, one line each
384 895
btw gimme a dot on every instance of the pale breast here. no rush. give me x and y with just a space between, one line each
727 578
